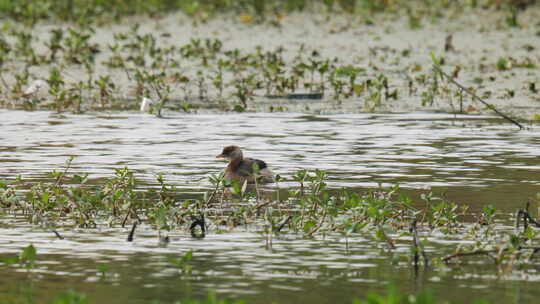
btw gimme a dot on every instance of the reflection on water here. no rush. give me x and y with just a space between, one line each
474 159
461 155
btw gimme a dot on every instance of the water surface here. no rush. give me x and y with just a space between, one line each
476 160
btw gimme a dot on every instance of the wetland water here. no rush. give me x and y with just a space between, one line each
476 160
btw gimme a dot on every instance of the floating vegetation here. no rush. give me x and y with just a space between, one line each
311 208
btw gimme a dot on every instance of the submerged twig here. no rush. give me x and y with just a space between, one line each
417 247
125 219
490 106
527 219
389 242
199 221
489 253
133 214
132 232
58 234
518 218
319 225
62 175
261 205
534 249
531 220
448 45
465 254
283 223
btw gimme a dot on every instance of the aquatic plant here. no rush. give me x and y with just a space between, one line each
70 297
156 84
56 83
233 77
76 46
310 207
94 11
391 296
245 85
106 87
183 261
313 206
26 259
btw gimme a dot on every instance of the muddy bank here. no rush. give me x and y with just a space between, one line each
498 61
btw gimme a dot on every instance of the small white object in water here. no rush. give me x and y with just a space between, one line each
145 104
34 87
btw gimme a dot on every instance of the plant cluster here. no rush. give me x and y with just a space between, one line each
192 71
310 208
136 65
96 11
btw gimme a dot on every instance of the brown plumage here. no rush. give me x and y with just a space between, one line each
241 169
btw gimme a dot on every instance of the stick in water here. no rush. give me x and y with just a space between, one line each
58 234
417 246
490 106
132 232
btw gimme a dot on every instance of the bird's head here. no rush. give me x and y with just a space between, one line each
230 152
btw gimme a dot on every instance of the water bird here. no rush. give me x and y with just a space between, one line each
34 88
242 169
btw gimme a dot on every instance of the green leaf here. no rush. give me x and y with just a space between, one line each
10 260
188 256
28 256
239 108
308 225
70 297
236 188
45 198
102 268
503 64
436 61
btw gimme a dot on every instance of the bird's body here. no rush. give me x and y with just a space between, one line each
34 88
242 169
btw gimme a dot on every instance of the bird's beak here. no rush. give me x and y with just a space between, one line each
220 156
